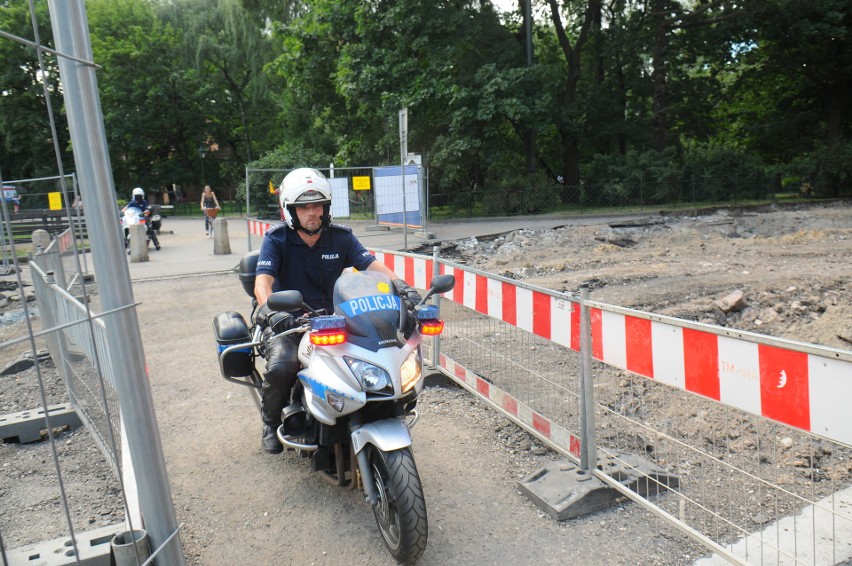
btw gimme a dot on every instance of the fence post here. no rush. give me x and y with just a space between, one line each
80 233
122 334
248 210
47 307
436 300
588 448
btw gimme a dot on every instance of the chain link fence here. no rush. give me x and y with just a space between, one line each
618 196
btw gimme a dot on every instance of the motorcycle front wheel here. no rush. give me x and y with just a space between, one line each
401 508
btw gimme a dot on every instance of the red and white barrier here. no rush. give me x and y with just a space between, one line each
258 227
65 241
514 408
780 381
784 384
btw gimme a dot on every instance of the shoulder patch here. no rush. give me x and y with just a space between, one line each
342 227
277 227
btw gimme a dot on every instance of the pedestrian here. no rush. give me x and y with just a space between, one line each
307 253
210 208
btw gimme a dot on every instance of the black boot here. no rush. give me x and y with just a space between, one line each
270 442
281 367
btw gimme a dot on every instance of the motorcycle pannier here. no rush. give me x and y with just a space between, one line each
230 328
247 267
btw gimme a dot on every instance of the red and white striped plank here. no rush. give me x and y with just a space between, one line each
797 388
545 315
500 398
416 271
65 241
258 227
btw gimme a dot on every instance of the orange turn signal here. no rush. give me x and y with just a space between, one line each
328 337
431 327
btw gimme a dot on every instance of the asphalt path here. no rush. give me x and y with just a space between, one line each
186 250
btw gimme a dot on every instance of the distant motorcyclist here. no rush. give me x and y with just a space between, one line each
306 253
140 203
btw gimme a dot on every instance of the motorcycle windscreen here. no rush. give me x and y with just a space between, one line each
371 308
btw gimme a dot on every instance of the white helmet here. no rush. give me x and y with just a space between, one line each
303 186
138 191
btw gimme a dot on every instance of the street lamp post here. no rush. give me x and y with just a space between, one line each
202 151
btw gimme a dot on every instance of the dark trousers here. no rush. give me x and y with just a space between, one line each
282 365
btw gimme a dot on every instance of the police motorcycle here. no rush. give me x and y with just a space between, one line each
156 219
132 216
354 402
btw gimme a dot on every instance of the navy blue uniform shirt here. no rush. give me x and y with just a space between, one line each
142 206
313 271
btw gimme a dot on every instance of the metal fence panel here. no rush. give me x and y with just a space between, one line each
80 352
749 487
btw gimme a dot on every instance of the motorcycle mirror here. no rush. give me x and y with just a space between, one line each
289 301
440 284
443 283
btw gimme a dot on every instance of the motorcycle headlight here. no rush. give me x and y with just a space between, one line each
411 370
371 377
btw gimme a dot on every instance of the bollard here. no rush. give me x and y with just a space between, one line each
41 239
221 242
130 548
138 243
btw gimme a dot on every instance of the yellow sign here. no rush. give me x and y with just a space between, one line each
361 183
54 201
271 188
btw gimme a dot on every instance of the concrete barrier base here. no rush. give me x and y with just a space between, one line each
94 550
564 491
26 426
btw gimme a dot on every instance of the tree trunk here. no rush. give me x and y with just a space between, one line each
567 128
659 121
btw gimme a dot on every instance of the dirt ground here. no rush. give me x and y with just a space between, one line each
792 265
237 504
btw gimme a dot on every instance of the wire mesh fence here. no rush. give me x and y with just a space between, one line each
358 193
766 492
617 195
352 197
78 349
536 372
68 384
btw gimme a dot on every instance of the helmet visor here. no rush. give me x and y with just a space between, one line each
310 196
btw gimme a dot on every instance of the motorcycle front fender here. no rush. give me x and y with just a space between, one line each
386 435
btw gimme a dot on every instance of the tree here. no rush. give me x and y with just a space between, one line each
581 26
152 103
794 87
26 145
229 46
350 66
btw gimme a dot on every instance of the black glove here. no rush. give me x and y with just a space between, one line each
274 320
407 292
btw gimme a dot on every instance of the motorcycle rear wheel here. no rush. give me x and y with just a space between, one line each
401 508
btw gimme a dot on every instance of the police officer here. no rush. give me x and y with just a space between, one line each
140 203
306 253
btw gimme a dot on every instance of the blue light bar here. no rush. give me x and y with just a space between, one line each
330 322
428 312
